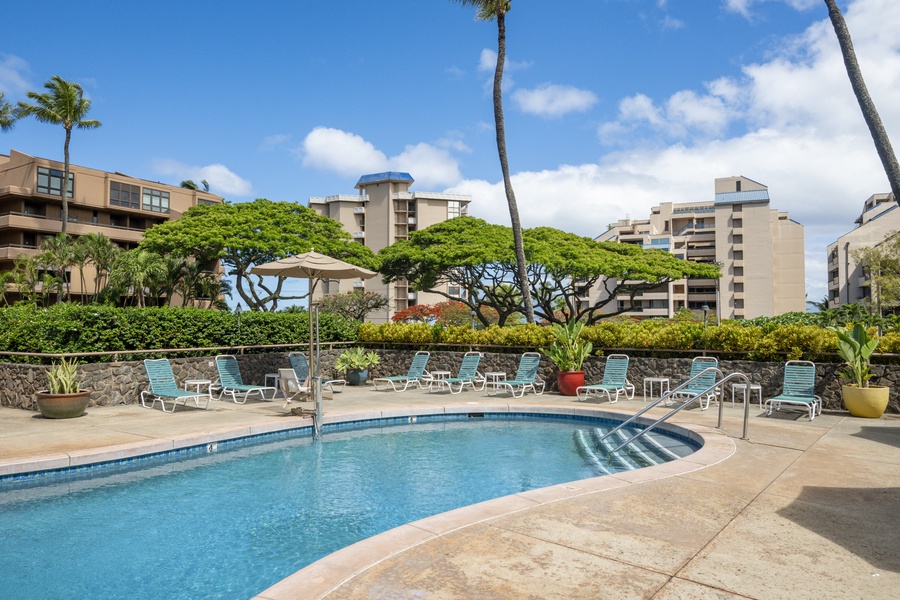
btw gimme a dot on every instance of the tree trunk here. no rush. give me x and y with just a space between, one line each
866 105
64 193
521 272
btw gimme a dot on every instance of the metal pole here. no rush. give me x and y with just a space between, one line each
318 373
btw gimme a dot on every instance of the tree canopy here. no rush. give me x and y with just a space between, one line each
62 104
480 258
247 234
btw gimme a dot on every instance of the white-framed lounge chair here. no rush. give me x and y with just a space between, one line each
292 387
163 387
526 377
416 375
301 367
799 389
232 384
467 375
701 385
615 379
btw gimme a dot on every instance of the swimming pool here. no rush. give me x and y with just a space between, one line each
229 520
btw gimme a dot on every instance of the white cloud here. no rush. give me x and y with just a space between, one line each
742 7
552 100
350 155
221 179
488 60
272 142
791 123
670 23
341 152
12 76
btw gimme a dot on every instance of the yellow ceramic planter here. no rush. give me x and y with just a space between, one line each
867 402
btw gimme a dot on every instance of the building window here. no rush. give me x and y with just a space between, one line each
454 291
124 195
95 218
49 181
156 200
29 240
205 202
455 209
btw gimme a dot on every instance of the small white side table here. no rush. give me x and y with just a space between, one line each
276 381
492 377
198 384
742 387
661 382
437 376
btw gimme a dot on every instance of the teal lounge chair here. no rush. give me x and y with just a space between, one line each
416 375
301 367
231 383
700 387
799 389
468 374
615 379
163 387
526 377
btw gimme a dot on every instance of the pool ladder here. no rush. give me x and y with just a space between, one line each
667 396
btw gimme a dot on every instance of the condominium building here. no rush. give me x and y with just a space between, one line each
759 250
118 206
384 211
848 282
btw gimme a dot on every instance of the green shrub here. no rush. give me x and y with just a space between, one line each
72 328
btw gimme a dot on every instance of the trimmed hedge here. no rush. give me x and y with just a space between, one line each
72 328
732 339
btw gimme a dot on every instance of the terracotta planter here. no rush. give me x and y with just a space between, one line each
867 402
62 406
568 381
357 376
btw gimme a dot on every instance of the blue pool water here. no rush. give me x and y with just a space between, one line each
230 520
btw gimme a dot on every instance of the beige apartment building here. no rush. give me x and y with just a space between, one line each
118 206
848 282
759 249
384 211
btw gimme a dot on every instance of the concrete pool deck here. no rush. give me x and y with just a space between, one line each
801 510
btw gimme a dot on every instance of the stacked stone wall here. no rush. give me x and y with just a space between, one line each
121 382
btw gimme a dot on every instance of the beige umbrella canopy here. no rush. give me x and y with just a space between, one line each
315 267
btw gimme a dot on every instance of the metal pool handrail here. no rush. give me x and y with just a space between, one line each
718 383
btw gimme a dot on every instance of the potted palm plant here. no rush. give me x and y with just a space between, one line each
355 362
568 352
64 399
861 398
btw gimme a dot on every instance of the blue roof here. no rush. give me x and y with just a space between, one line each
386 176
748 196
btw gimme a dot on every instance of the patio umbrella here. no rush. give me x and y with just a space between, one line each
315 267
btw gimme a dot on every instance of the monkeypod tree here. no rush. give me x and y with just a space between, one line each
479 258
247 234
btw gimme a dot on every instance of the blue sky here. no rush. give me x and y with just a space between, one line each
611 106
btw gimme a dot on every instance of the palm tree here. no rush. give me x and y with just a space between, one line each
58 255
102 253
136 270
490 10
7 118
63 104
866 105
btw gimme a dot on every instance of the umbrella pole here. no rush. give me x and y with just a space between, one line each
318 375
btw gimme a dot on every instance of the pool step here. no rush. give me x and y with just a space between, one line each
598 452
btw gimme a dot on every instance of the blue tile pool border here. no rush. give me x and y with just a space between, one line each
86 471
